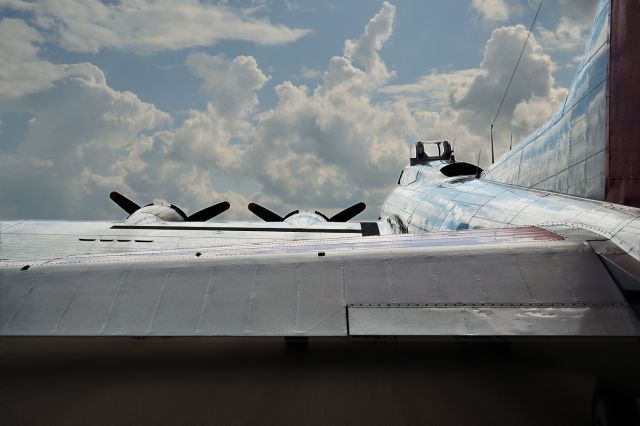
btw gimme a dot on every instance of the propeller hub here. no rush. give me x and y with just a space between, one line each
154 213
304 219
164 212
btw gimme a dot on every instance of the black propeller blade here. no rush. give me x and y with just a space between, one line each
208 213
343 216
201 216
264 213
348 213
123 202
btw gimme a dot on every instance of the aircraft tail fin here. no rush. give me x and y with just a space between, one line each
591 147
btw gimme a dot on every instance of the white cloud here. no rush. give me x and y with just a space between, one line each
324 148
79 137
365 50
232 84
492 10
80 130
530 113
85 139
145 26
335 145
568 35
579 10
434 91
461 104
329 148
307 73
533 77
21 71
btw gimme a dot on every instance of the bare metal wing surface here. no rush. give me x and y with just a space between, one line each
30 240
519 281
165 226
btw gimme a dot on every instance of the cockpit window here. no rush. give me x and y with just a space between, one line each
408 176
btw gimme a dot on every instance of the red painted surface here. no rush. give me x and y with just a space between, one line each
622 182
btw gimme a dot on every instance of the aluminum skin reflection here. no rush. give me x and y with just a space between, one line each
567 154
434 202
556 176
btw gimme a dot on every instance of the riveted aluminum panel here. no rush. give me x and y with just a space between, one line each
180 308
227 309
44 305
274 304
93 301
14 289
566 154
321 308
136 303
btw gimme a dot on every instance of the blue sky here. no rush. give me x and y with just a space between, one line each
295 104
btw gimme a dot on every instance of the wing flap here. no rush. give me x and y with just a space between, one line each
493 320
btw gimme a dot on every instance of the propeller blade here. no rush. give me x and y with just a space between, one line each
123 202
208 213
321 214
348 213
291 214
264 213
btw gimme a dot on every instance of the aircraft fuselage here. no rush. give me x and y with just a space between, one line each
425 200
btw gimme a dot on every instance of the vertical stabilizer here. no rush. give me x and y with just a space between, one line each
622 185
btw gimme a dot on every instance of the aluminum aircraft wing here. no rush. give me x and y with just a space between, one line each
30 240
524 281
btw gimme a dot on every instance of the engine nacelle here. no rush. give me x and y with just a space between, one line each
156 213
305 219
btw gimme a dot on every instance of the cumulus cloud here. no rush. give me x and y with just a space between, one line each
580 10
435 90
231 84
68 152
492 10
569 35
365 50
533 78
22 72
321 148
146 26
459 106
335 145
80 133
530 113
307 73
